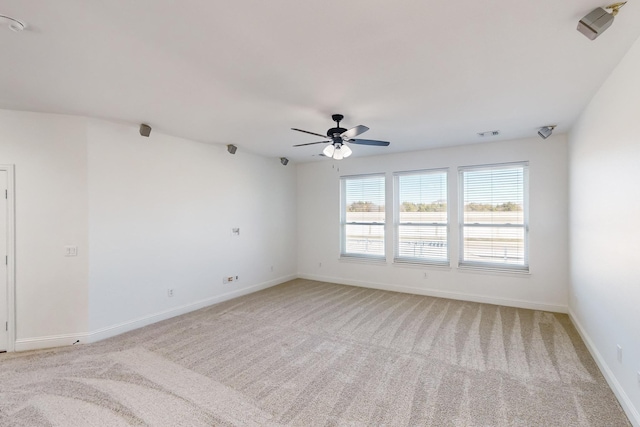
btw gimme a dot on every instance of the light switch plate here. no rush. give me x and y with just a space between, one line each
70 251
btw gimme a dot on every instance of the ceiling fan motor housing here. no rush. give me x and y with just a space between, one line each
334 133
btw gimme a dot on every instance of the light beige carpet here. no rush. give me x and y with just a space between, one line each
309 353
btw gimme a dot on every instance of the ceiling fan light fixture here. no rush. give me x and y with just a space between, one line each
338 154
346 151
329 150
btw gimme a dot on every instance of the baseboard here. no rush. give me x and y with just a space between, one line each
111 331
627 405
37 343
556 308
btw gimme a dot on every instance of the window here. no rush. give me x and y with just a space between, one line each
421 220
493 216
363 216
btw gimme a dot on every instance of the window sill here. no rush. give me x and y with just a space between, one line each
421 265
493 271
362 260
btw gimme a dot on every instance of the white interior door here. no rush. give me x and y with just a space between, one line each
3 263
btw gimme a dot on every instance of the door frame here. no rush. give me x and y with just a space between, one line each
11 257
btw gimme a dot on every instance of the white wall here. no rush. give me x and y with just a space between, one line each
161 214
49 154
604 160
545 288
147 214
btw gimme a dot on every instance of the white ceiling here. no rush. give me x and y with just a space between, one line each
420 74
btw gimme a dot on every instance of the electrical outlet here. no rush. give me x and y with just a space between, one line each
619 353
169 293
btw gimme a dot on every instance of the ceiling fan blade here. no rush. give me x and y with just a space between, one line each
310 133
353 132
369 142
311 143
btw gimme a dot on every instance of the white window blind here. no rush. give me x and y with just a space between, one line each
363 216
494 216
421 219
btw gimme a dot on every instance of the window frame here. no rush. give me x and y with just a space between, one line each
462 263
343 220
397 224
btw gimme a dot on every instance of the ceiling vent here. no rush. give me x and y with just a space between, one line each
488 133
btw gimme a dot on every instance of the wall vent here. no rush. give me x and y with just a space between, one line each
489 133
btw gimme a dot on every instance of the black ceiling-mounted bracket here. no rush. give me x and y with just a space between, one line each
334 133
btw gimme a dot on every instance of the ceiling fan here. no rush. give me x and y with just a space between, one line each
339 136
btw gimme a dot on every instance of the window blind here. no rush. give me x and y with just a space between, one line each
421 217
493 216
363 216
